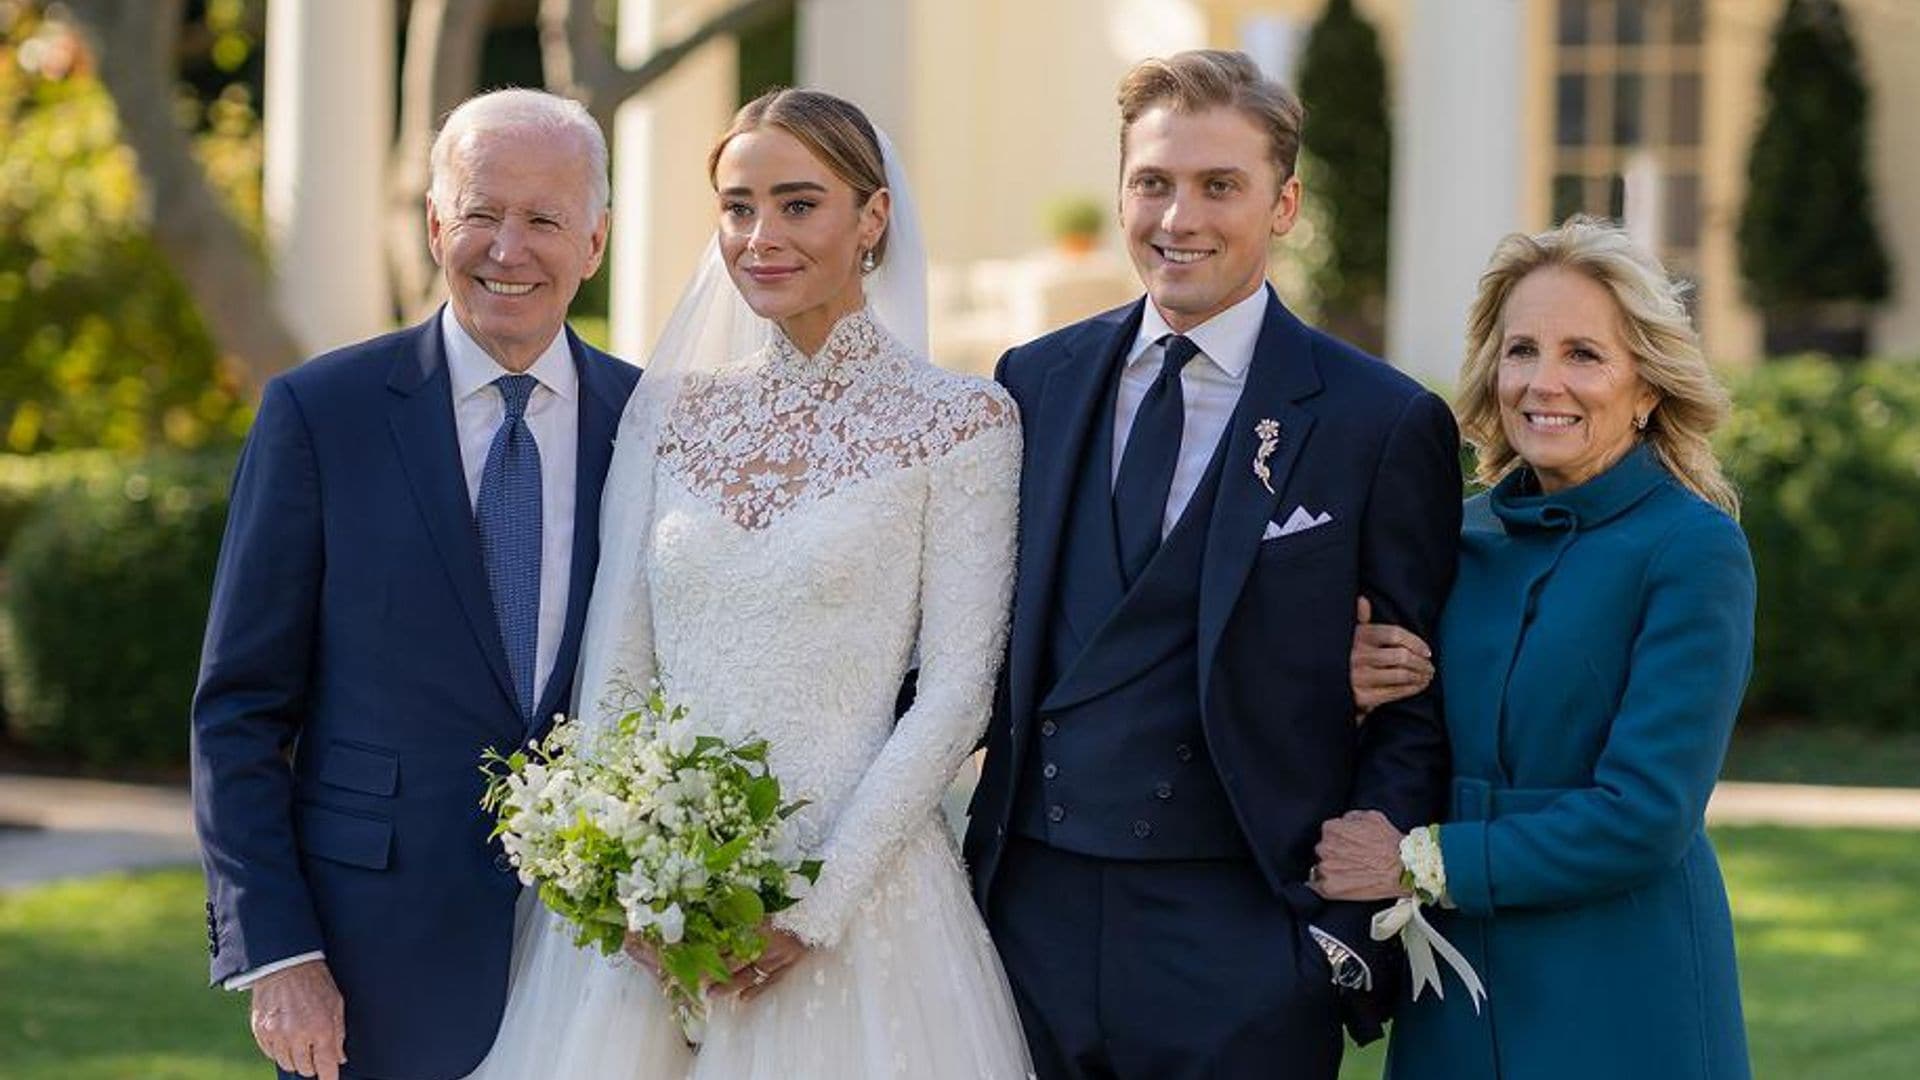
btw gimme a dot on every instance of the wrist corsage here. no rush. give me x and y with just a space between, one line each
1424 873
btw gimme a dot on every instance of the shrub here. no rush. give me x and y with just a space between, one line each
1828 463
105 604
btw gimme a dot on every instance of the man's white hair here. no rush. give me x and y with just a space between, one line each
518 109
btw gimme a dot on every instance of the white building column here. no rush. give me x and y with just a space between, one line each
663 206
1458 168
328 129
860 50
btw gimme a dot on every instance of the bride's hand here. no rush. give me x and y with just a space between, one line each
782 952
643 953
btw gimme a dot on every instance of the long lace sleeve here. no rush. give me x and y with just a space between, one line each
967 552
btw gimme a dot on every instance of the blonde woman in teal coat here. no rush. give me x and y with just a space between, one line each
1592 657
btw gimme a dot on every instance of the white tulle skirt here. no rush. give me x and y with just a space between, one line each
913 989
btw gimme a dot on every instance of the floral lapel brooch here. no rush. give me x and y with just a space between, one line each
1269 432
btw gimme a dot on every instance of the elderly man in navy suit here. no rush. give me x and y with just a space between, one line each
1208 486
405 572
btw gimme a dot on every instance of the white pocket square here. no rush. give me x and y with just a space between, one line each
1297 522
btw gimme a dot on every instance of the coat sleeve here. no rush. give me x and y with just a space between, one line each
1409 547
1687 674
966 587
252 694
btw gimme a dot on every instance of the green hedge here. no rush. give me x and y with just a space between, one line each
1827 459
106 599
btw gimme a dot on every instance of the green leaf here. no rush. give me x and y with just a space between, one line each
763 798
740 907
724 855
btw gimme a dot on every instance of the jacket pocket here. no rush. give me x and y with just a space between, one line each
354 839
360 767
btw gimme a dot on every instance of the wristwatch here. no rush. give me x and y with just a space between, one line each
1349 971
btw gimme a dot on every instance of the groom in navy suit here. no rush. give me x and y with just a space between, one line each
1208 486
408 556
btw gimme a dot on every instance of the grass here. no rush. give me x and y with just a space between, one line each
1786 754
103 979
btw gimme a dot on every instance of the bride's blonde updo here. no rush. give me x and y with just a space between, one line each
832 129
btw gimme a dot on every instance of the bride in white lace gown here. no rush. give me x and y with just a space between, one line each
800 506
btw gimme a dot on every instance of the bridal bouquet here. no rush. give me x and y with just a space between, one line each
649 827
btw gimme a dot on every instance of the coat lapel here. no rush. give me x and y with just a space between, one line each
1283 372
1069 404
601 402
421 416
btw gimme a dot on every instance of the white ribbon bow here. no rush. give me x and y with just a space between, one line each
1422 941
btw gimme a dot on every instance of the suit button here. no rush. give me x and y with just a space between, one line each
1142 830
1163 790
1056 813
502 863
1183 752
1048 727
1050 770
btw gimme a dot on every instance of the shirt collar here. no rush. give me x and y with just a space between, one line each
472 370
1227 339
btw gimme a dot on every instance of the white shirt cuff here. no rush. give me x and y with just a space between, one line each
248 978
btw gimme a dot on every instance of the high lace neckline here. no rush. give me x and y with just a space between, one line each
1518 501
856 340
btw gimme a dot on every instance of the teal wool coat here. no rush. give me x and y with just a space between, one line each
1593 654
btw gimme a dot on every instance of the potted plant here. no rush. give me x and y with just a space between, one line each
1074 222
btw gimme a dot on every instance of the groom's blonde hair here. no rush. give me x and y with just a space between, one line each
1201 79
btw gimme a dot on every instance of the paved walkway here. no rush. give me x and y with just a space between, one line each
54 828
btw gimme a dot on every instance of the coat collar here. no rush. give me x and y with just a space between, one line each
1522 507
1284 373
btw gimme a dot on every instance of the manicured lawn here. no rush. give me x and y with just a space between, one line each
104 979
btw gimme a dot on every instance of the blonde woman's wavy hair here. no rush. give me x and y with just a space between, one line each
1655 326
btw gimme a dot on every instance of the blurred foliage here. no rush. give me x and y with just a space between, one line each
1806 232
1348 151
26 479
1827 458
104 347
105 603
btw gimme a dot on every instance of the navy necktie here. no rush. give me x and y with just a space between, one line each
1147 465
508 513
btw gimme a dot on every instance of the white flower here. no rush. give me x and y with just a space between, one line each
673 924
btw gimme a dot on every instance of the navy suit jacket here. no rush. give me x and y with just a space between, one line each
1358 440
352 674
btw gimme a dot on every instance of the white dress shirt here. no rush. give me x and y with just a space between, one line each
553 415
1210 386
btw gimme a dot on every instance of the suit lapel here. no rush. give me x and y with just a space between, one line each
1283 372
1069 404
420 414
600 405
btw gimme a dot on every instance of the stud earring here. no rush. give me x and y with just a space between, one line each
1640 423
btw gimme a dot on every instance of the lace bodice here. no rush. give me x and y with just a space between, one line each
815 519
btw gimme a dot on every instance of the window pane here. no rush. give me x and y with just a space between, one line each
1569 196
1630 21
1682 211
1570 96
1616 197
1627 129
1683 110
1573 22
1688 18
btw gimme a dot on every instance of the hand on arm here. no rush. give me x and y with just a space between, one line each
1388 664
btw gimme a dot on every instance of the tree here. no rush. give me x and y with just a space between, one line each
1348 147
1809 251
221 267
